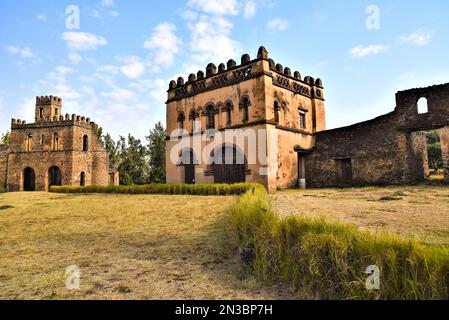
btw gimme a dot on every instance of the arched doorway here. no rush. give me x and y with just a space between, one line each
188 162
229 165
29 180
54 177
82 179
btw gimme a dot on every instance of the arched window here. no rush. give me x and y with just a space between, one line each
41 113
42 139
192 118
228 114
181 119
423 106
29 142
85 143
276 112
244 105
210 113
82 179
55 141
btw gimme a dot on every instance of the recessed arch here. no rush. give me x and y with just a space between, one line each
54 176
29 179
82 179
85 143
228 164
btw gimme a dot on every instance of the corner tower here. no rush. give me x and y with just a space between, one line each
47 108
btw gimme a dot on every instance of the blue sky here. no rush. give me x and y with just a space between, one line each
116 67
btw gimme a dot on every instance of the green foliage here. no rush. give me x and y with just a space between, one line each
435 154
133 168
187 189
2 190
112 148
5 138
328 260
156 154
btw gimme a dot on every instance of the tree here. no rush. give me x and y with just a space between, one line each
5 138
435 154
112 148
133 168
156 154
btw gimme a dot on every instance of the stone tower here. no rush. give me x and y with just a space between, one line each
54 150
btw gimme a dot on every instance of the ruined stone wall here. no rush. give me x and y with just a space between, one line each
4 151
378 153
444 139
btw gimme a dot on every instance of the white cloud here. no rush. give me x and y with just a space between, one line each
75 58
211 39
41 17
26 109
164 43
250 9
81 41
64 70
118 94
219 7
21 52
157 88
114 14
133 68
420 37
361 51
107 3
109 68
277 24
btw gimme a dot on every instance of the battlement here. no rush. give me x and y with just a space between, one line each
46 100
67 120
231 73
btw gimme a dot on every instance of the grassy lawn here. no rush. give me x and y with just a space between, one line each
421 212
127 247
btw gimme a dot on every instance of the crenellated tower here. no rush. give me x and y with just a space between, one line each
47 108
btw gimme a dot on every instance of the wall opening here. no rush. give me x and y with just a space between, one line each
435 156
82 179
229 165
29 180
54 177
423 106
85 143
344 171
188 162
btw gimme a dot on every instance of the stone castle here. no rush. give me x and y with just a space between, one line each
55 150
263 96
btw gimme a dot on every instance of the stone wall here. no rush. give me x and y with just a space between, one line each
4 150
69 143
390 149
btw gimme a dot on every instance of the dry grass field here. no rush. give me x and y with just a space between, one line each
127 247
420 212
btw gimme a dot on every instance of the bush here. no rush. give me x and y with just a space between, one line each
328 260
2 190
187 189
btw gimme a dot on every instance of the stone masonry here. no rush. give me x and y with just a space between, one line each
54 150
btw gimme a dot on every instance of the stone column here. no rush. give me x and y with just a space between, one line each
444 138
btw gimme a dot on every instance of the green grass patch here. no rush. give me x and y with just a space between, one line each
328 260
180 189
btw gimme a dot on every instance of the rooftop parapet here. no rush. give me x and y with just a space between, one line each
231 73
46 100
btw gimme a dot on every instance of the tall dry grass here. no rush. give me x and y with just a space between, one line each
328 260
